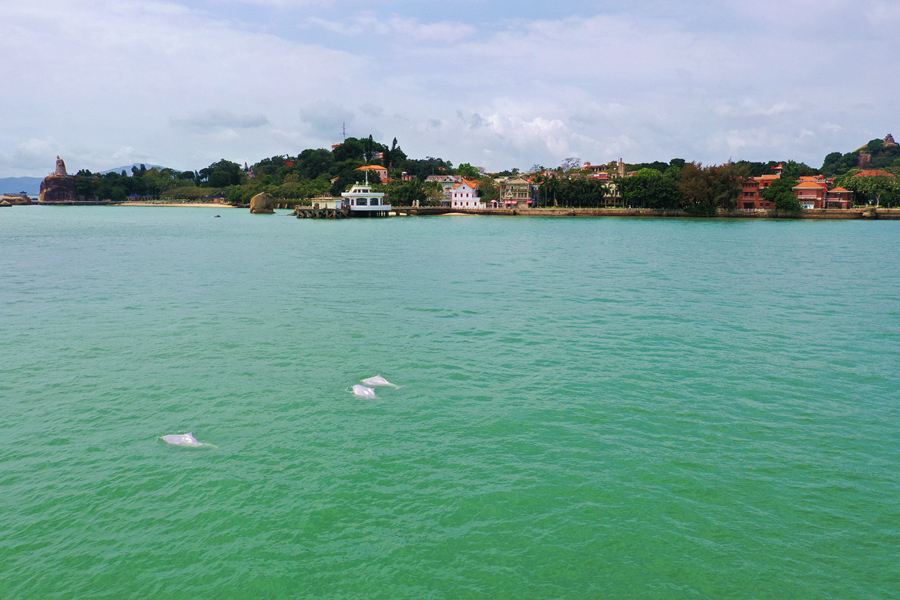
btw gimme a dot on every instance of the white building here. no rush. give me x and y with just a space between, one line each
363 202
465 195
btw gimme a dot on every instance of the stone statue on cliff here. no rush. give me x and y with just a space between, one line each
58 187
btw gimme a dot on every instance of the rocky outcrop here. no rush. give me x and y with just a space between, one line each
13 199
59 187
262 204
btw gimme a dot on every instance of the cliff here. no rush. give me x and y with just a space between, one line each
56 189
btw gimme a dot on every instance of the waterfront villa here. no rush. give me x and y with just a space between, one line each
465 195
514 192
750 198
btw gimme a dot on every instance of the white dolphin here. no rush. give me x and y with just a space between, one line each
378 380
363 391
182 439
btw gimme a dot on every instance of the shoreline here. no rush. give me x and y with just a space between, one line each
863 214
193 204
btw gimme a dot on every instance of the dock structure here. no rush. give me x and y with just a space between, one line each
360 201
317 211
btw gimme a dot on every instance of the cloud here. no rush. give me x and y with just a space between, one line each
184 85
33 155
371 110
397 27
324 120
215 120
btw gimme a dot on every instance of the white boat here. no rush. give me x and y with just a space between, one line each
363 202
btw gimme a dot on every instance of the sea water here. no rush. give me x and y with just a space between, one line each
588 408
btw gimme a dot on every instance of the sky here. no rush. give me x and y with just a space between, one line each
497 84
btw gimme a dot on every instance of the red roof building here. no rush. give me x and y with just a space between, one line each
750 198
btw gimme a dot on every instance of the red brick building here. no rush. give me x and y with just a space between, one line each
750 198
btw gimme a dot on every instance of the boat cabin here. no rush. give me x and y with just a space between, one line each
363 202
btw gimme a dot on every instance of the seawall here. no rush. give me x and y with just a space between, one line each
817 214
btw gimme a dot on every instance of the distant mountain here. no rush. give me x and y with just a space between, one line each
128 168
14 185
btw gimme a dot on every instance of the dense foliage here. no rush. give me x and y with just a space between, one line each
578 192
781 194
678 184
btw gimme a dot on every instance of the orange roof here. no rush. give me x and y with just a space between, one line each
809 185
471 184
874 173
839 190
372 168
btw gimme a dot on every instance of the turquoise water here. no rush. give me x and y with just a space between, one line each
596 408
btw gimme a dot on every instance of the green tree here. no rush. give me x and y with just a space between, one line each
350 149
222 174
422 168
648 188
873 189
781 194
706 189
407 193
874 146
468 171
85 184
434 193
488 190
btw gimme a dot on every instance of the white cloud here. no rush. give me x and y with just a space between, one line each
217 119
184 85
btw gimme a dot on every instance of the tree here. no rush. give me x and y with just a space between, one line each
311 164
434 193
85 184
873 188
407 194
468 171
781 194
394 156
350 149
368 148
222 174
830 162
874 146
567 164
706 189
648 188
422 168
488 190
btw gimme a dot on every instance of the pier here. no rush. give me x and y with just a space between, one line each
316 212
